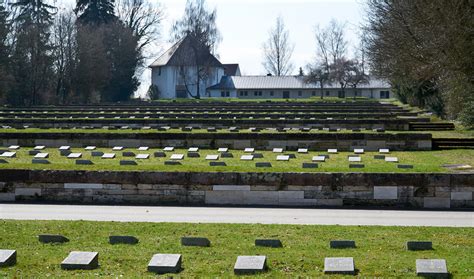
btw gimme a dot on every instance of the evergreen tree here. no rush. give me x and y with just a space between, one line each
5 75
95 11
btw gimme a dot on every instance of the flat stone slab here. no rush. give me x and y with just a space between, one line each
319 158
257 155
227 155
97 153
283 158
310 166
212 157
122 239
165 263
168 149
332 151
193 155
359 151
263 165
177 157
172 163
40 161
42 155
39 147
52 238
3 161
8 154
7 258
128 163
432 268
419 245
355 159
193 149
339 266
84 162
249 150
142 156
337 244
274 243
81 260
246 157
117 148
379 157
195 241
65 147
384 150
356 166
223 149
74 155
143 148
391 159
159 154
217 164
14 147
405 166
302 150
89 148
250 264
108 156
277 150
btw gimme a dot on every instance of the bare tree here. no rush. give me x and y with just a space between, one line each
336 43
341 73
277 50
200 22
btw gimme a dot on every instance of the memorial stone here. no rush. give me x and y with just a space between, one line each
384 151
419 245
342 244
165 263
108 156
339 266
302 150
39 147
379 157
8 154
212 157
84 162
432 268
160 154
168 149
193 155
277 150
142 156
332 151
90 148
263 165
356 166
405 166
274 243
195 241
81 260
128 154
283 158
217 164
52 238
117 148
193 149
250 264
319 158
122 239
177 157
223 149
143 148
40 161
227 155
97 153
246 157
7 258
391 159
310 166
33 152
249 150
128 163
172 163
355 159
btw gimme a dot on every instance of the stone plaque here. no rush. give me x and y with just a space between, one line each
342 244
283 158
419 245
384 150
159 154
310 166
117 148
172 163
195 241
9 154
143 148
64 147
246 157
274 243
212 157
3 161
391 159
193 155
250 264
355 159
339 266
84 162
249 150
39 147
257 155
168 149
90 148
142 156
177 157
405 166
31 152
263 165
379 157
40 161
223 149
97 154
128 163
128 154
122 239
356 166
302 150
193 149
319 158
14 147
108 156
433 268
7 258
165 263
42 155
217 164
81 260
227 155
359 151
52 238
277 150
332 151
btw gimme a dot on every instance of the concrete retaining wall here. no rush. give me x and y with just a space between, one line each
271 189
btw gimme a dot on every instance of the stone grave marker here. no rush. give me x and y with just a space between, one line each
339 266
128 163
64 147
246 157
168 149
283 158
227 155
303 150
223 149
195 241
8 154
143 148
310 166
211 129
3 161
335 244
172 163
90 148
81 260
433 268
359 151
319 158
32 152
193 155
391 159
263 165
384 151
39 147
14 147
122 239
212 157
142 156
40 161
128 154
274 243
249 150
117 148
165 263
379 157
217 164
419 245
332 151
257 155
177 157
84 162
355 159
356 166
7 258
97 153
250 264
277 150
405 166
193 149
160 154
108 156
52 238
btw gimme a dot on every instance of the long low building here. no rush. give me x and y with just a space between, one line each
294 87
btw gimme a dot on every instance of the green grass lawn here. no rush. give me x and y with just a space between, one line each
380 251
423 161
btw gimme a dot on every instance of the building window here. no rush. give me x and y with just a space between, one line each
260 93
271 93
255 93
222 94
327 93
227 94
313 93
384 94
300 93
159 71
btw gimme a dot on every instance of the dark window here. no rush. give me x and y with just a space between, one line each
300 93
327 93
384 94
271 93
227 94
313 93
222 94
159 71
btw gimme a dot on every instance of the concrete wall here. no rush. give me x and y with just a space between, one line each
272 189
266 141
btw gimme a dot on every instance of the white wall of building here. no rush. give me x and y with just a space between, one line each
374 93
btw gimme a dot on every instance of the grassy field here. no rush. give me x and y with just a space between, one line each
423 161
380 251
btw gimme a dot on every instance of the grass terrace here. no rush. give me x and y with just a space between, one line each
422 161
380 251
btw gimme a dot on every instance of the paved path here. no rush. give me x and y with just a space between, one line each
237 215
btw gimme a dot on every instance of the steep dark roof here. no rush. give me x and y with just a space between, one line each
186 52
230 69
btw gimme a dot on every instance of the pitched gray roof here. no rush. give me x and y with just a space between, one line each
282 82
186 52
